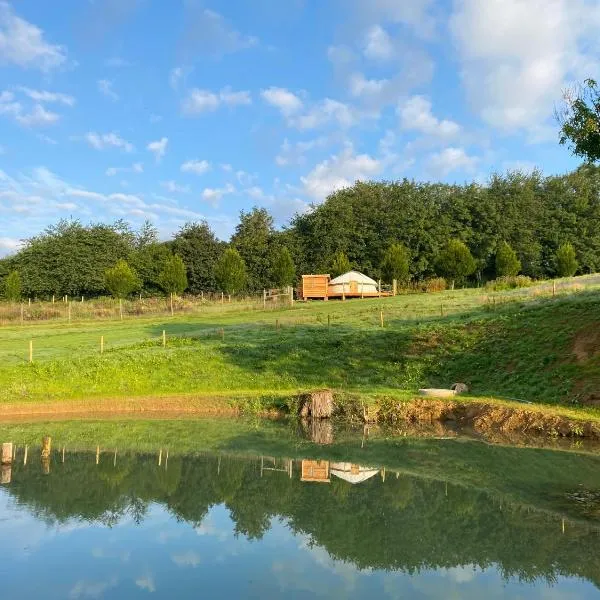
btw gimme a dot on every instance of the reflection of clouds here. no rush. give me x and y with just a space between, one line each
91 589
462 574
210 528
166 535
186 559
102 553
146 583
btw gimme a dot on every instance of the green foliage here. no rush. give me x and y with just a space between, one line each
121 280
230 272
455 262
507 262
580 121
396 264
340 264
253 239
12 288
566 260
509 282
173 278
200 250
283 268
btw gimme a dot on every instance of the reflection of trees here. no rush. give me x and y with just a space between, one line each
405 523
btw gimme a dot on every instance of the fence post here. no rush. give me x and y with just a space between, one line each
22 313
121 308
164 339
222 297
29 301
379 288
291 291
264 299
172 312
30 351
52 298
328 321
381 317
101 344
343 291
69 312
395 287
553 288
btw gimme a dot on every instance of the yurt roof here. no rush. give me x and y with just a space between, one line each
355 477
353 276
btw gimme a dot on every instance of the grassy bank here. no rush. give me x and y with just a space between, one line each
536 348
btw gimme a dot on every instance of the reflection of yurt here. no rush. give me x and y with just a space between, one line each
352 473
352 283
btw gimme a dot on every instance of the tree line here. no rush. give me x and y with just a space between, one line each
517 223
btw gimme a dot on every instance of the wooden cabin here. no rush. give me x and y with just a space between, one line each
315 471
349 285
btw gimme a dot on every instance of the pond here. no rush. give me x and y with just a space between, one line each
237 509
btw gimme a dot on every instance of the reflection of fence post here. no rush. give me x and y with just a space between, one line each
25 455
46 448
97 454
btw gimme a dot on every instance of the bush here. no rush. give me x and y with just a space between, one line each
435 284
509 282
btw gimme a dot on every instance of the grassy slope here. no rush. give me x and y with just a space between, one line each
523 350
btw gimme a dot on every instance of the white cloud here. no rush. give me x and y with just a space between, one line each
91 589
9 245
135 168
23 44
214 195
209 33
158 148
451 159
198 167
48 97
360 86
38 117
107 140
284 100
378 44
338 172
106 87
175 188
295 154
178 74
518 54
227 96
325 112
415 114
202 101
146 583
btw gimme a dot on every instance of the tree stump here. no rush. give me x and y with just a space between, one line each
7 453
317 404
460 388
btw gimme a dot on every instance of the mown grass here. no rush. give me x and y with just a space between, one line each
524 349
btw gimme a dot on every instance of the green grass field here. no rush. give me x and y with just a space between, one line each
522 344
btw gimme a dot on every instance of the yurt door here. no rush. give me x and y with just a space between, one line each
354 287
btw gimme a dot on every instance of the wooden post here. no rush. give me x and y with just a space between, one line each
82 299
46 448
379 288
328 321
222 298
7 453
121 308
69 312
101 344
277 324
25 455
291 292
343 291
395 287
553 288
52 298
563 525
97 455
202 296
381 317
115 459
172 311
22 314
63 454
264 299
160 458
29 301
164 339
167 459
30 351
362 290
229 298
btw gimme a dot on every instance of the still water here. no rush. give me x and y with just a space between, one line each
336 523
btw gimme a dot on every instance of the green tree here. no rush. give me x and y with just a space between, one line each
395 264
283 268
173 278
507 262
230 272
566 260
340 264
253 239
455 262
580 121
121 280
11 287
200 250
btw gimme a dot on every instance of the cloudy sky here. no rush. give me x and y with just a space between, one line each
192 109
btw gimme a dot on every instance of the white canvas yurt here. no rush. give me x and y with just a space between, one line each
352 473
353 283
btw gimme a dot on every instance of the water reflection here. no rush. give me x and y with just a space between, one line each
108 524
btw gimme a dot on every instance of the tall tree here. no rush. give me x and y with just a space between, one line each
507 262
395 264
200 250
283 268
230 272
566 260
253 239
580 121
340 264
455 262
121 280
12 288
173 278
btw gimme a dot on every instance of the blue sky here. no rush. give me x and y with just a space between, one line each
191 109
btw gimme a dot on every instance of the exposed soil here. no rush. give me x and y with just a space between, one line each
586 344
